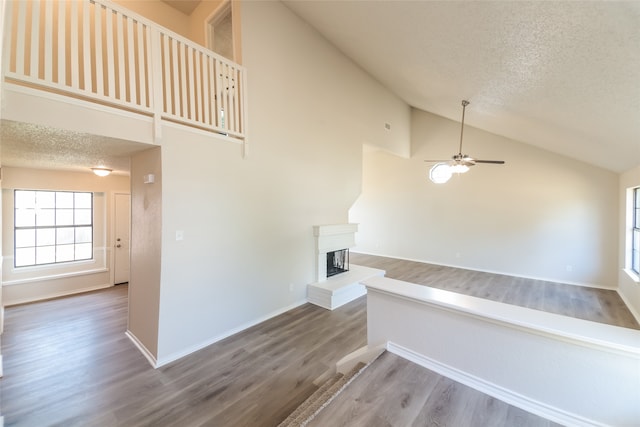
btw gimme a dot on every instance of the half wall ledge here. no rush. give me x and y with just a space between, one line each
571 371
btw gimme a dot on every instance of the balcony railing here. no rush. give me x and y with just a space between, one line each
97 51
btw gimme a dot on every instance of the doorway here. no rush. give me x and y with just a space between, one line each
220 32
122 232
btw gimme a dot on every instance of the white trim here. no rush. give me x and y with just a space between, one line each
632 275
184 126
55 276
505 395
600 336
54 96
58 294
112 234
145 352
546 279
630 306
1 371
192 349
213 16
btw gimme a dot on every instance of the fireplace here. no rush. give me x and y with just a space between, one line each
332 248
337 262
331 289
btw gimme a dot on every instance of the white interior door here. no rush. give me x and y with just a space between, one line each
121 247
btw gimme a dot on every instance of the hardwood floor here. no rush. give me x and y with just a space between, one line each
598 305
396 392
67 362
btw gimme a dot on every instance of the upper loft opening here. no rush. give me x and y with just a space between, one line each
102 53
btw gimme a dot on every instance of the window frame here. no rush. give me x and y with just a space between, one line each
634 265
56 209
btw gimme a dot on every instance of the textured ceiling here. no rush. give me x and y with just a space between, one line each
40 147
564 76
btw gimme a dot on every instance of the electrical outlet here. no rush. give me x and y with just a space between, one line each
569 267
290 287
179 235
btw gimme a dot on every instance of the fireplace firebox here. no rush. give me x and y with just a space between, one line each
337 262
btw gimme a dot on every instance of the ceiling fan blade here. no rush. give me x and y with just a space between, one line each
495 162
437 161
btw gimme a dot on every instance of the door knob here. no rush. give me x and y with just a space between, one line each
118 245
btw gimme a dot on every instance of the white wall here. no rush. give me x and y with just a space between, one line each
532 217
247 223
628 288
571 371
34 283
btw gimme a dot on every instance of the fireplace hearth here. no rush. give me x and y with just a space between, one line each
337 262
337 282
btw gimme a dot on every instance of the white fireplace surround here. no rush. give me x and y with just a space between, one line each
337 290
330 238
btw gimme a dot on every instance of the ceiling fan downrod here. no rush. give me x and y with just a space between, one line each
464 107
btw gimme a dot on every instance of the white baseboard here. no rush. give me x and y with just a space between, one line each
192 349
546 279
630 306
145 352
53 295
505 395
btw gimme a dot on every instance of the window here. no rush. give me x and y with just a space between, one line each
52 227
635 239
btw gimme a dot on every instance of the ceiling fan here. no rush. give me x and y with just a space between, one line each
459 163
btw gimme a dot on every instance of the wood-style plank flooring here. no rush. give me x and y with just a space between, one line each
67 362
395 392
598 305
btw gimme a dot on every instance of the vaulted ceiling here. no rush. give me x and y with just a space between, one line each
184 6
564 76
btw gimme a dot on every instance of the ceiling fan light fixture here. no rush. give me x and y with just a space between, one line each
458 168
460 163
101 171
440 173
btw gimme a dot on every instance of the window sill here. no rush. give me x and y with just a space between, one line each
632 274
54 276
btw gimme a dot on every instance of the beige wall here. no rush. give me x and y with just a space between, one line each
161 13
247 223
628 288
191 26
146 249
30 284
199 18
539 216
203 13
